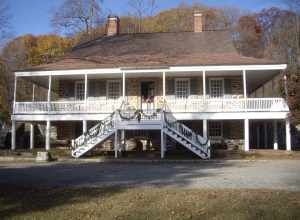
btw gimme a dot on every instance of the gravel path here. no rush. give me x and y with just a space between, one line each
273 174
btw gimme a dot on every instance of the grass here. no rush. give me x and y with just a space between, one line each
146 203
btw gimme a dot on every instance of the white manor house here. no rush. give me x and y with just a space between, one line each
187 90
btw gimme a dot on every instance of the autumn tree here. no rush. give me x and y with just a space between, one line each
75 16
139 9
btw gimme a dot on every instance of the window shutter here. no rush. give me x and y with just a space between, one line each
102 88
194 86
92 88
227 85
170 87
207 86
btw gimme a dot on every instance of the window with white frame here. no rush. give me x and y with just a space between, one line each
79 90
182 88
215 129
216 88
113 89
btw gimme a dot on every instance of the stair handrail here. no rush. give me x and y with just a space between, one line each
188 133
99 128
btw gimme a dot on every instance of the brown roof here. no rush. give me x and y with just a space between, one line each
154 49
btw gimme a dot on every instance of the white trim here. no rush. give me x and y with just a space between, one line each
182 79
223 85
170 69
111 81
179 116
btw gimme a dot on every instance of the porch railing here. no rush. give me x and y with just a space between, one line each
174 105
103 106
227 105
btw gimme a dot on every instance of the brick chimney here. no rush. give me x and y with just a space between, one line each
198 22
113 26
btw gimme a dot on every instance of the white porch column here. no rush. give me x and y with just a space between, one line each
15 94
31 136
49 92
245 88
124 85
275 137
48 131
13 135
288 135
123 139
85 90
84 126
164 86
116 144
33 92
246 134
162 144
204 83
205 128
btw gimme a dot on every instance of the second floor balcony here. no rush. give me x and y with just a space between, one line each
181 92
208 105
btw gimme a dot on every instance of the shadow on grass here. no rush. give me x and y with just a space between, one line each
39 187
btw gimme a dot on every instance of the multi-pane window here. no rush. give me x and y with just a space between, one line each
113 89
215 129
216 88
79 90
182 88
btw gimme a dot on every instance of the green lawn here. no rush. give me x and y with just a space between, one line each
146 203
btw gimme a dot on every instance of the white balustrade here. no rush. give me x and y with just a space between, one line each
175 105
103 106
227 105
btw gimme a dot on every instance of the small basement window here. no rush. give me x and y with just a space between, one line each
215 129
182 88
113 89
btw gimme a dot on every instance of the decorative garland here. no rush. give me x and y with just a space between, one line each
138 115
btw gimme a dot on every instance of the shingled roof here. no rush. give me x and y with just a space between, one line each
154 49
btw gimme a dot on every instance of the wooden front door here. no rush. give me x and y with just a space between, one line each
147 95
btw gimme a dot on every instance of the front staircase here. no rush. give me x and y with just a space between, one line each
171 127
96 135
186 136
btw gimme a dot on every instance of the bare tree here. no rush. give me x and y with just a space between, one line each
75 16
141 9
